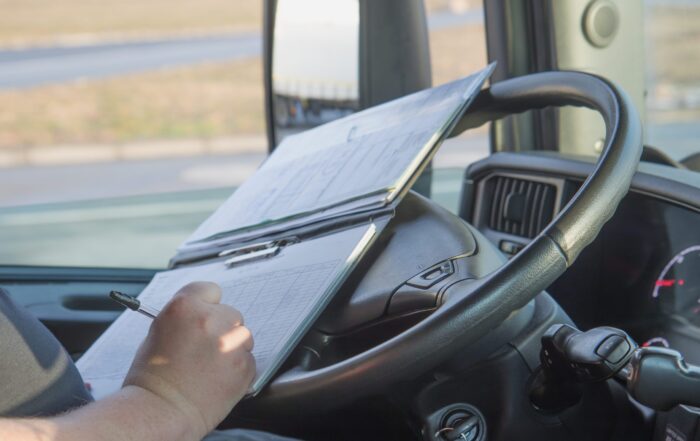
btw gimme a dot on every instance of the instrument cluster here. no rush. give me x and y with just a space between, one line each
642 274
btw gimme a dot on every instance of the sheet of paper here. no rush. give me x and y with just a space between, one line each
280 298
369 153
365 206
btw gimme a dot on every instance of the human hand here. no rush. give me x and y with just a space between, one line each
196 357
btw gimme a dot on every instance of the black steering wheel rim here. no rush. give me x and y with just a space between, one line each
493 298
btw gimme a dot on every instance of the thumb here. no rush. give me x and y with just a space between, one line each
207 292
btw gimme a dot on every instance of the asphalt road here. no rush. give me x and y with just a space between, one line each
40 66
48 184
135 213
135 232
35 67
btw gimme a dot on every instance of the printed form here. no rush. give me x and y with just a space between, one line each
279 298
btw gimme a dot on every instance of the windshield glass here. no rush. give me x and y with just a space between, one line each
673 77
124 125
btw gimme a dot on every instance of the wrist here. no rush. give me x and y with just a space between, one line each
184 423
134 413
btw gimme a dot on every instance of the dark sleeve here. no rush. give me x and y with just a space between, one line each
37 376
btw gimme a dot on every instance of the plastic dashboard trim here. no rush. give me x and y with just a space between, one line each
675 186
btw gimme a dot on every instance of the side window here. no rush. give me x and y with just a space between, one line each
673 80
457 48
107 106
93 92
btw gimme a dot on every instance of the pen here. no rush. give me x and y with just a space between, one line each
133 303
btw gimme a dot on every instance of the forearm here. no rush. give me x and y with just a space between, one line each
131 414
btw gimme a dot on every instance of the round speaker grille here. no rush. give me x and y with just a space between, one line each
600 22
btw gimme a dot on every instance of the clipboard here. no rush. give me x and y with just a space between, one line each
281 272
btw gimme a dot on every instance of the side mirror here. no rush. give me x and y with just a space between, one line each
325 59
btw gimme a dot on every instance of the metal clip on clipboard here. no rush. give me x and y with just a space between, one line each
253 252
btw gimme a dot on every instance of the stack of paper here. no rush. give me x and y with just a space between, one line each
360 162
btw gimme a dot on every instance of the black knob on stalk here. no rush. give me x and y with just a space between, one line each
661 379
570 358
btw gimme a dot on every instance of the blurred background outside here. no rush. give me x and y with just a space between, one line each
101 99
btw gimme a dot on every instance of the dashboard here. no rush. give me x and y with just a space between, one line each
642 273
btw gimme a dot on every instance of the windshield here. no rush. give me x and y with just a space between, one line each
123 125
121 132
673 77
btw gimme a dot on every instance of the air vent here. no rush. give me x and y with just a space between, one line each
521 207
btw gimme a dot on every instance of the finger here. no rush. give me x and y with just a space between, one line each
237 338
220 319
207 292
229 313
225 313
244 365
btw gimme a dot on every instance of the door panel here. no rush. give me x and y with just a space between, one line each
73 303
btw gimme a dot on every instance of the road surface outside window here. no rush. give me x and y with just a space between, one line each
102 99
124 124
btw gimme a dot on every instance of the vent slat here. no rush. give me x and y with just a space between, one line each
532 228
495 203
517 226
528 209
541 215
538 199
501 221
548 208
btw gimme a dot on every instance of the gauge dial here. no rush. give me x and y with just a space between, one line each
659 342
678 286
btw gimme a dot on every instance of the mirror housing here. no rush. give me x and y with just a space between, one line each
387 55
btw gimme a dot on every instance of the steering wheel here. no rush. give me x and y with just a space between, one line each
479 306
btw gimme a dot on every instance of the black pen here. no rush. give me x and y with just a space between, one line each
133 303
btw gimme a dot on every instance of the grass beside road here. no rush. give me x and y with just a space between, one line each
202 102
197 102
43 22
675 43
